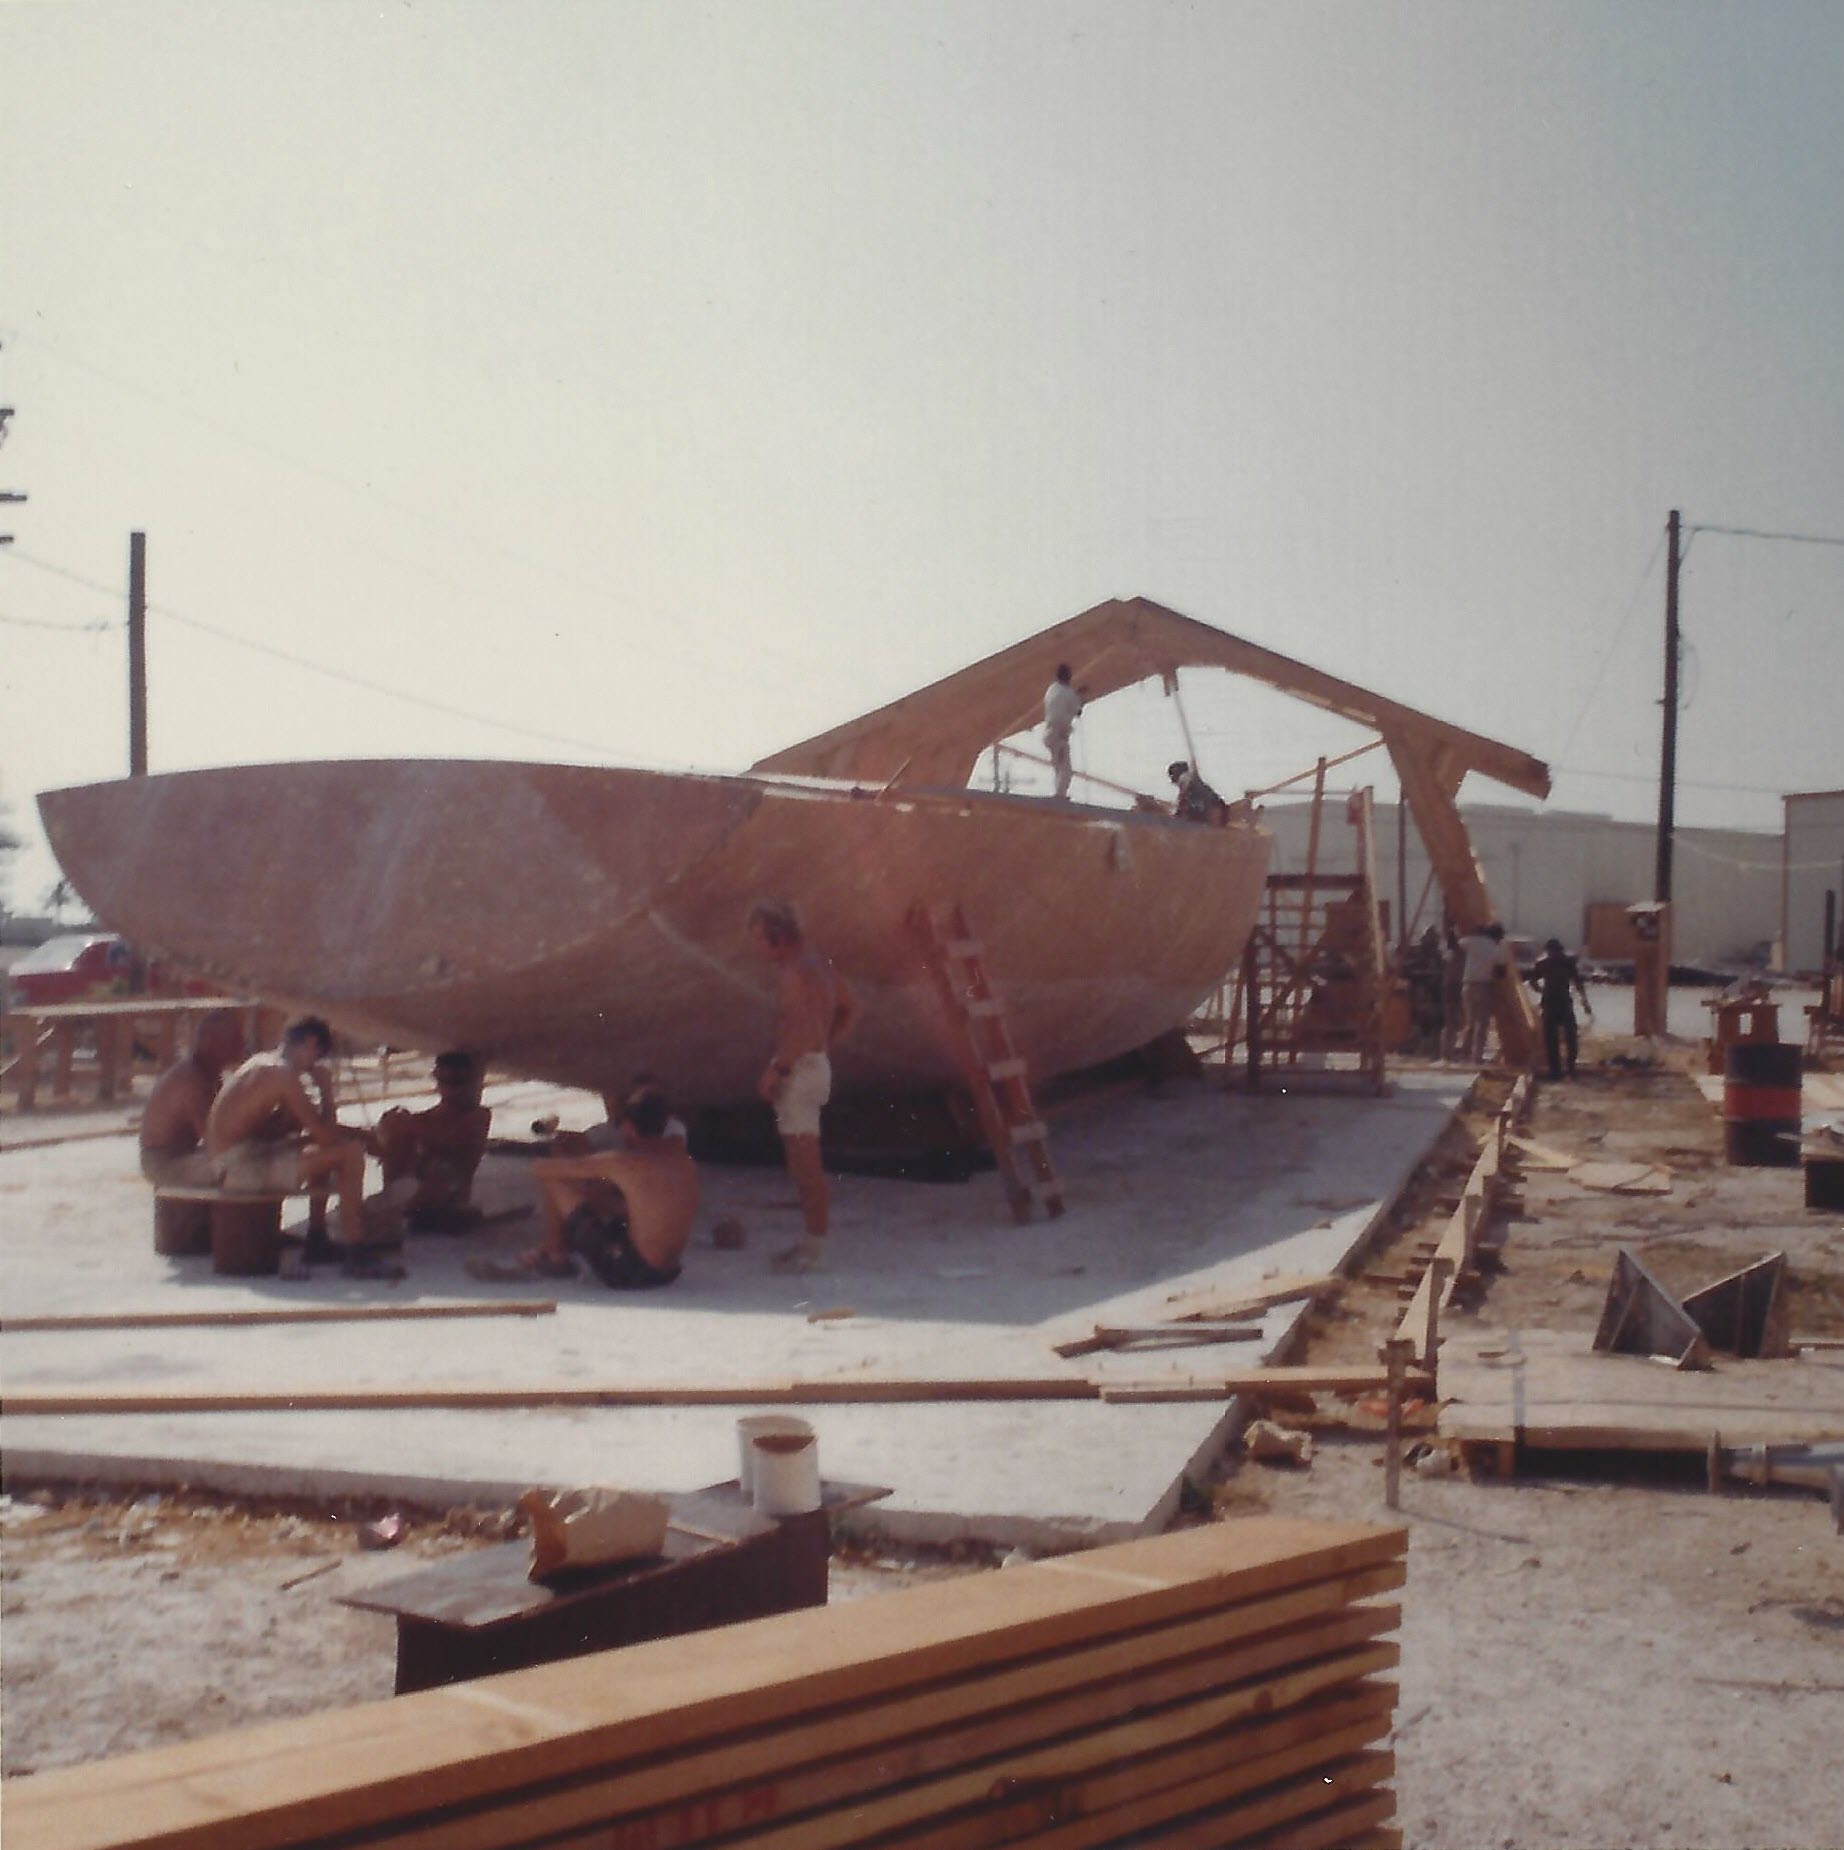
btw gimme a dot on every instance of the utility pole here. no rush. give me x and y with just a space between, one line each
137 655
1668 750
10 496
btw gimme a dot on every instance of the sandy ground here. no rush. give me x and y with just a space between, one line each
1610 1659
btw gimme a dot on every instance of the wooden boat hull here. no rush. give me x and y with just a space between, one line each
582 924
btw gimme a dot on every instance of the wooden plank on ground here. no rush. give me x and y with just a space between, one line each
299 1313
828 1391
1547 1388
452 1749
1543 1155
1623 1178
1295 1379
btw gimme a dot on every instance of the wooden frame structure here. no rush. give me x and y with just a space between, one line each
936 735
1314 978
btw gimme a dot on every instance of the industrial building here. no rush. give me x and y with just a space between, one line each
1812 870
1565 874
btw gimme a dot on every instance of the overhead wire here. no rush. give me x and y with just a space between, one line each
167 612
1757 533
66 629
713 655
1600 673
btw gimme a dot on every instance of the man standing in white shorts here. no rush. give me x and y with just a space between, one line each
813 1008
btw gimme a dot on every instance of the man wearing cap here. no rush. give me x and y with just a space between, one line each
1557 980
1196 801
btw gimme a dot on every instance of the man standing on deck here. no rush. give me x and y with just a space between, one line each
813 1008
1554 975
173 1151
1061 705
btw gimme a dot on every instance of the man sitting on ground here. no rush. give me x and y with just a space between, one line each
173 1153
266 1137
639 1244
430 1157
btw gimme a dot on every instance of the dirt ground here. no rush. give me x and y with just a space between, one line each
1616 1658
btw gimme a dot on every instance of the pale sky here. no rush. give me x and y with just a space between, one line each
677 380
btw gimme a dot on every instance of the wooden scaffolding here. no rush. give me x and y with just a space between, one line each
1309 998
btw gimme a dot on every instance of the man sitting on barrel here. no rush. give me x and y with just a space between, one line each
173 1153
267 1137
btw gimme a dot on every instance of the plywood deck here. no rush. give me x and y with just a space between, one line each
1548 1389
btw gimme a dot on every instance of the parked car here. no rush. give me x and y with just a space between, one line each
79 966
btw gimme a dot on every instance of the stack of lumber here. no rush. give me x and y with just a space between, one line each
1217 1686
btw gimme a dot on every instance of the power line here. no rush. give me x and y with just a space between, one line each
713 654
1756 533
64 571
304 662
66 629
375 687
1651 777
1632 604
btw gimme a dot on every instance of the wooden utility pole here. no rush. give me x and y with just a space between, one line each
137 655
1668 751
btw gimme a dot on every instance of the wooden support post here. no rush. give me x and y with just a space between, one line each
1439 1271
1426 772
1395 1357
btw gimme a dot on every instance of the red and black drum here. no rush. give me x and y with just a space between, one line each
1760 1104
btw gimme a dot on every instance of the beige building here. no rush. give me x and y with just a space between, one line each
1546 867
1812 866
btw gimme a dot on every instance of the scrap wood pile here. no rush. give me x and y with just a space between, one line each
1217 1686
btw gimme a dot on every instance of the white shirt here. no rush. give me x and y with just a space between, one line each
1483 956
1061 705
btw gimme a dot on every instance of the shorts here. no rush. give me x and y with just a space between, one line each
806 1088
262 1167
178 1168
601 1240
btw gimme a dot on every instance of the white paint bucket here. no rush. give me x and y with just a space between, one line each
785 1470
748 1429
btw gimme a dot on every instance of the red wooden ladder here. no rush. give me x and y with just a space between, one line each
993 1067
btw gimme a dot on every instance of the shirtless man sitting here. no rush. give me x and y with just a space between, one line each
430 1158
653 1173
266 1136
813 1009
173 1153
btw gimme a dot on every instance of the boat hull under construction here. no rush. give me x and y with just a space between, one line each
581 924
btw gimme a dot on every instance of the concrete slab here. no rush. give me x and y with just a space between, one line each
1192 1188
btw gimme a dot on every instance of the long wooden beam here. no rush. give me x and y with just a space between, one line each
1430 777
300 1313
936 734
835 1391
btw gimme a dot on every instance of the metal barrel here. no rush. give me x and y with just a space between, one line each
1760 1104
